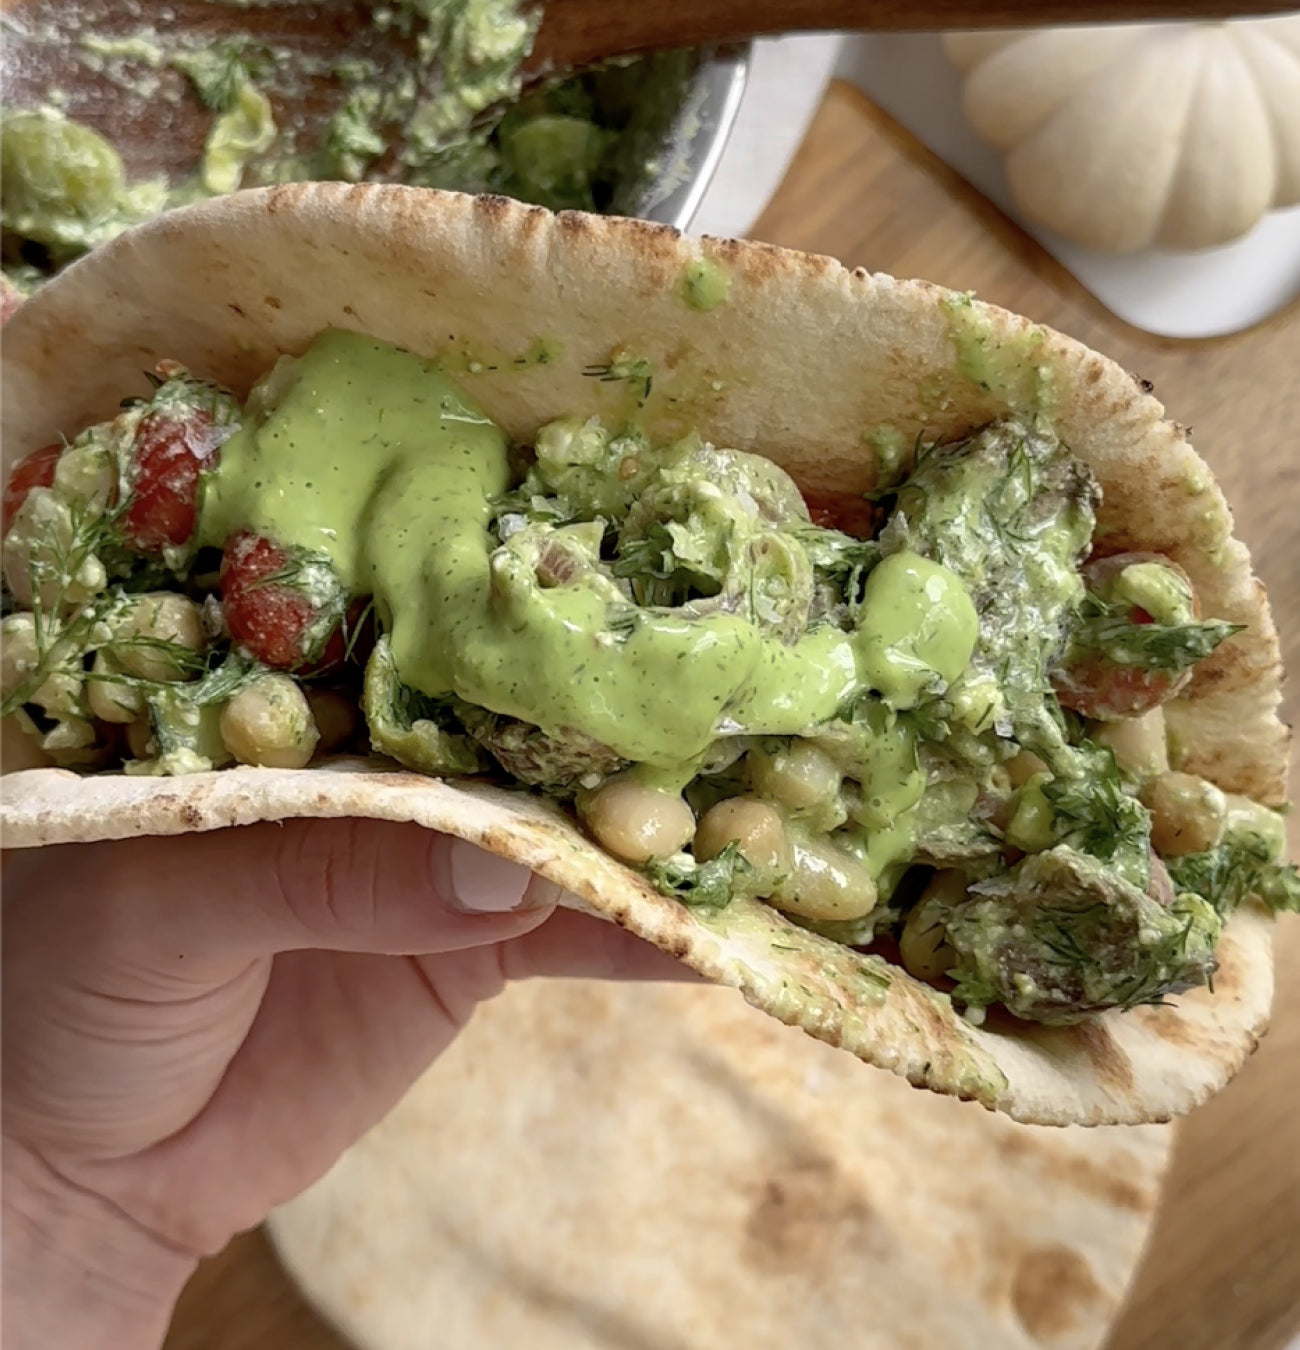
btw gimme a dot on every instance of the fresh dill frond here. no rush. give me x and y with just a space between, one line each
224 676
64 625
656 573
1106 628
186 662
353 629
1094 815
636 371
1241 866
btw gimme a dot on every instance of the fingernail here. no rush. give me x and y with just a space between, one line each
481 883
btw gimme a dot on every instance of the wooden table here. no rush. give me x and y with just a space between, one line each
1223 1269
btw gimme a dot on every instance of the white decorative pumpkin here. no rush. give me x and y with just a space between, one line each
1119 137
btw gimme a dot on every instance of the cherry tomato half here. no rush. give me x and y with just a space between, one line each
34 470
1097 687
269 614
169 453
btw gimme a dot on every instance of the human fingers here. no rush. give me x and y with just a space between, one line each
134 970
203 904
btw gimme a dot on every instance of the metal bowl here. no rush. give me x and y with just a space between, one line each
697 138
674 112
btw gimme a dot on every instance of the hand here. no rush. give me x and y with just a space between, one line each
196 1027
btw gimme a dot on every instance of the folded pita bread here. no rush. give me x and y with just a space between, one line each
592 1166
806 362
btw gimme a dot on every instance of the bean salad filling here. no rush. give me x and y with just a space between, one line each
928 722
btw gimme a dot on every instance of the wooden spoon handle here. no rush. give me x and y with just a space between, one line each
580 32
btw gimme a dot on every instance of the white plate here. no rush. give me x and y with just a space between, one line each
1186 295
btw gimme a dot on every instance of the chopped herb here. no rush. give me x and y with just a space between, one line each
1011 512
658 575
635 370
1062 936
1094 815
1107 628
841 565
220 71
709 885
1243 865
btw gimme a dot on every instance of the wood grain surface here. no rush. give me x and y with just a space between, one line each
1223 1268
581 32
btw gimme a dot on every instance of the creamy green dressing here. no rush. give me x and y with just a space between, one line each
1157 589
1009 366
918 621
705 285
667 612
889 448
375 458
236 137
63 186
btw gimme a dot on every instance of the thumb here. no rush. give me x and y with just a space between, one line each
237 894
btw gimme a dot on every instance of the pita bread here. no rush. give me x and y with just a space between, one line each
807 363
593 1166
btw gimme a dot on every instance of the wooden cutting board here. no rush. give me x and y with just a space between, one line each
1223 1269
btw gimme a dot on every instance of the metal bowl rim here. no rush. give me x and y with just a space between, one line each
717 90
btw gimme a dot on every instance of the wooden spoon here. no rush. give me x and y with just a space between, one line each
159 126
577 33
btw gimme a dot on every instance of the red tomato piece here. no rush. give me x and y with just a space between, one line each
1097 687
847 512
353 639
269 619
34 470
170 452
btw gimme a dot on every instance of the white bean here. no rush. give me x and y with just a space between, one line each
108 699
268 722
60 692
1138 743
825 883
799 776
1187 814
86 475
1020 768
150 641
755 827
635 822
40 535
